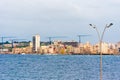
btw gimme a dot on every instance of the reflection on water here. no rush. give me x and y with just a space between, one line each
58 67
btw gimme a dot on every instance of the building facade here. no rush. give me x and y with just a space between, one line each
36 43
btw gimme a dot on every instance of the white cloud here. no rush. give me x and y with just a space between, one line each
59 8
58 14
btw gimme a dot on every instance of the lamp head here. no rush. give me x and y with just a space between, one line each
109 25
90 24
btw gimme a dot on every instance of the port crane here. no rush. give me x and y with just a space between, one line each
13 40
2 38
79 36
50 38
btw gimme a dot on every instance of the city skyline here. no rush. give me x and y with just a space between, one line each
70 18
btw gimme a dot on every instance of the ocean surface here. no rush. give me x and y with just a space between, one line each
58 67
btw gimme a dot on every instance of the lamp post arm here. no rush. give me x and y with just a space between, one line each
103 33
101 51
97 33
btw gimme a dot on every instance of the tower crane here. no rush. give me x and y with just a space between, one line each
2 38
79 36
12 41
50 38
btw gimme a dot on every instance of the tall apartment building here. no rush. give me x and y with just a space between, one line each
36 43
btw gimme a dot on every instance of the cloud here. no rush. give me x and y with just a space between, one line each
62 16
57 9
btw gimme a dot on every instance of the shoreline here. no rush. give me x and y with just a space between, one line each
59 54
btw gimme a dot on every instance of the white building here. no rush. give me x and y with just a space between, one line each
104 47
36 43
118 47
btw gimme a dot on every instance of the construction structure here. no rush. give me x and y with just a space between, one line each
2 39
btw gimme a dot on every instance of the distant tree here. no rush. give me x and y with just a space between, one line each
7 42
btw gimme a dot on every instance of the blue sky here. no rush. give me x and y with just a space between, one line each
24 18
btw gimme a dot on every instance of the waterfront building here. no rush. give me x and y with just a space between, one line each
76 50
104 47
81 48
113 48
51 50
87 48
4 50
94 49
118 46
36 43
26 50
30 44
44 49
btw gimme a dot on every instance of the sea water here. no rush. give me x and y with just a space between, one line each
58 67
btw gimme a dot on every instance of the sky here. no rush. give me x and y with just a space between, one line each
25 18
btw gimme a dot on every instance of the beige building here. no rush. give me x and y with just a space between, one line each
26 50
104 47
87 48
113 48
118 47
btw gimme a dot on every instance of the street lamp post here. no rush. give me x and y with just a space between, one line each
100 37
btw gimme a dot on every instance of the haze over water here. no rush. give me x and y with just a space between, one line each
58 67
